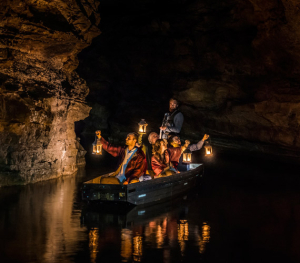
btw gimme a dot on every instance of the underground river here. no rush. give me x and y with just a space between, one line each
247 210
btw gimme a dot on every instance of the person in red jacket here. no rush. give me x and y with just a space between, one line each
160 161
175 149
133 162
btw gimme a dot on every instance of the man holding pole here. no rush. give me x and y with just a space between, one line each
172 121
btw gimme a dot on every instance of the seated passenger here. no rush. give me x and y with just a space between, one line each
133 162
175 149
153 136
160 160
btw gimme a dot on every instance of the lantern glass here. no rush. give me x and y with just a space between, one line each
142 126
187 157
208 150
99 147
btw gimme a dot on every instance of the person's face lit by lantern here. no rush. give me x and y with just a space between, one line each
176 141
173 104
153 136
131 140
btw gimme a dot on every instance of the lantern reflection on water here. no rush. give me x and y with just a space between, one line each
93 243
126 245
137 248
205 237
183 234
142 126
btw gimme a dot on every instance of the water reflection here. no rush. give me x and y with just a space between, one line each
136 236
137 248
164 232
93 243
244 222
40 222
183 234
126 245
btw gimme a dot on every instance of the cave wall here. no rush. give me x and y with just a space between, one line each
41 96
234 65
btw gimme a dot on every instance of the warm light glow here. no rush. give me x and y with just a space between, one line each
93 243
183 234
126 245
159 237
205 237
142 126
208 149
187 157
97 147
137 248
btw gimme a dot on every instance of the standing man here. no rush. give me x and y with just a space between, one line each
173 120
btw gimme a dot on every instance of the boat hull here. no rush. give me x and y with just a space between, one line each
143 192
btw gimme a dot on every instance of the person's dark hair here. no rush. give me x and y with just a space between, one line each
171 137
177 102
135 135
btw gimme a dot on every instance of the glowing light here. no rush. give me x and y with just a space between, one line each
187 156
137 248
205 237
159 237
183 234
126 245
93 243
208 149
142 126
97 147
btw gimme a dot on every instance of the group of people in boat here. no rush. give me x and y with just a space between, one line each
166 151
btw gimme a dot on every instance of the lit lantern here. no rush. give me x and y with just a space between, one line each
187 156
208 149
142 126
97 147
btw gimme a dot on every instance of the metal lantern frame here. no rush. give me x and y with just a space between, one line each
208 149
187 156
142 126
97 147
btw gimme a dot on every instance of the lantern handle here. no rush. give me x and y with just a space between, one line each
98 134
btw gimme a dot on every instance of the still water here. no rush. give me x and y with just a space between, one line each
245 211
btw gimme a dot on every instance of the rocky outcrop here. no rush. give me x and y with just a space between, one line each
41 96
234 65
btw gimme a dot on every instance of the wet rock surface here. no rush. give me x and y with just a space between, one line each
41 96
234 65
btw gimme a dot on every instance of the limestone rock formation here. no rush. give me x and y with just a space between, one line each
41 96
233 64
